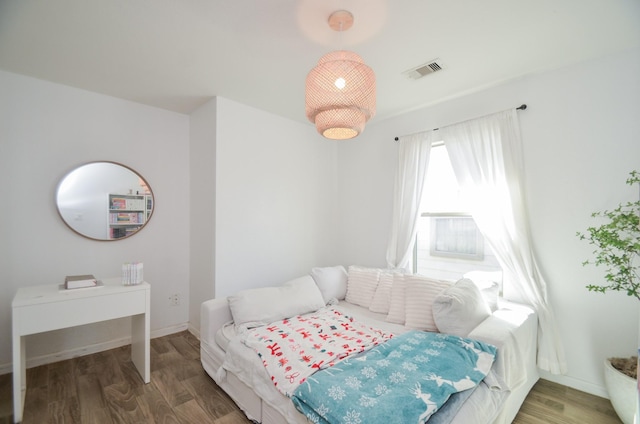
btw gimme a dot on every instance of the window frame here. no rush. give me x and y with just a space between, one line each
477 255
434 214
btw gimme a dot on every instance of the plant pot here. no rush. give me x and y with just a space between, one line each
623 392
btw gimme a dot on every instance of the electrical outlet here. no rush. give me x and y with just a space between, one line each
174 300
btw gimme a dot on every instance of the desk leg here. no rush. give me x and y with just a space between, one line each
19 376
140 348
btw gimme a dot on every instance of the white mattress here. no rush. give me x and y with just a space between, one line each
247 367
230 362
225 334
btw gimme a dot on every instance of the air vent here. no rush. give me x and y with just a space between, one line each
425 69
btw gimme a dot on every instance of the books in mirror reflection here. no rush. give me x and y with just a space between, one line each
79 281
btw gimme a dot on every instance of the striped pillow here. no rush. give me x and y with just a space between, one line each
396 305
361 285
382 298
419 296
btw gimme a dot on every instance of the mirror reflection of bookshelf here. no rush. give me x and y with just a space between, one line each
149 205
127 214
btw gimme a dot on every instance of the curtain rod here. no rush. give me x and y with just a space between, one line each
521 107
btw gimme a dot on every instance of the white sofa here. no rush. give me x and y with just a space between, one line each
366 293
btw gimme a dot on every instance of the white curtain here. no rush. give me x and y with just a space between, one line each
413 159
486 155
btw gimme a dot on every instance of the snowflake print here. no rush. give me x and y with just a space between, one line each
397 377
438 344
432 352
313 418
409 366
421 359
323 410
381 390
395 354
420 335
353 382
369 372
383 363
367 402
441 336
414 341
336 393
352 417
406 347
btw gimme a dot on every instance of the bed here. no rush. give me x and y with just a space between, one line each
238 367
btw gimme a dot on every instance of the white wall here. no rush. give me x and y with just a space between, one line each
275 199
286 200
263 202
580 136
46 130
202 170
237 205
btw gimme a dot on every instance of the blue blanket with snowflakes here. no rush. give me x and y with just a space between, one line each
405 380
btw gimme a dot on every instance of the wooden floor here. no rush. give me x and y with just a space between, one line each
106 388
551 403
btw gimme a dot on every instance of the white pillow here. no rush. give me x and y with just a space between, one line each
489 284
419 296
490 293
256 307
460 308
332 282
361 285
396 304
382 297
299 280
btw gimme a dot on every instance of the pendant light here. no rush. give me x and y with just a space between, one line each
341 90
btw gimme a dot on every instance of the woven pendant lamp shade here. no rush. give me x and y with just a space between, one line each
340 95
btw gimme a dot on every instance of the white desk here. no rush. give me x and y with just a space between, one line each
43 308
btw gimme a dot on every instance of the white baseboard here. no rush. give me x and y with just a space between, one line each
90 349
169 330
194 331
575 383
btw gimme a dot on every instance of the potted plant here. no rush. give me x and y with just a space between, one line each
617 249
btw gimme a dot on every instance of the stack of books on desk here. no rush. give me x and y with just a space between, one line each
132 273
80 281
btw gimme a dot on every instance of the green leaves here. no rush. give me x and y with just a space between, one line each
617 246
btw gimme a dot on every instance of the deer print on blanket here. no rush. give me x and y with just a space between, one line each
426 398
485 360
417 370
460 385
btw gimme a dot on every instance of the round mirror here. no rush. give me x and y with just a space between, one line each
104 201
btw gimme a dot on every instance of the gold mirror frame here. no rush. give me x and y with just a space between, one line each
105 201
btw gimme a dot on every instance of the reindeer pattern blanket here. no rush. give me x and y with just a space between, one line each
292 349
405 380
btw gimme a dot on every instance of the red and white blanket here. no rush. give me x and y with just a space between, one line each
292 349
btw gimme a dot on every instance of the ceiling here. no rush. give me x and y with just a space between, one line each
177 54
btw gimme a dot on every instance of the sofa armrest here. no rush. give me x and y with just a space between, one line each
214 314
513 330
504 323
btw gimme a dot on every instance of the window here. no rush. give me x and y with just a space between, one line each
449 243
456 237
